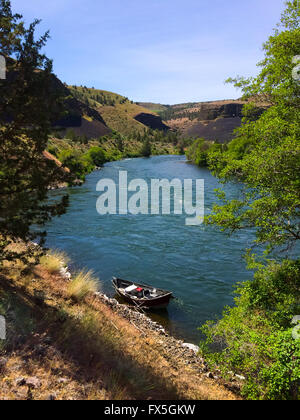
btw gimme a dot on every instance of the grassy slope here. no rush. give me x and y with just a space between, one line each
84 350
117 111
156 108
96 97
121 118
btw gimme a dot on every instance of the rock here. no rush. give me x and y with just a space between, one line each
62 380
3 362
33 382
192 347
20 381
65 273
240 377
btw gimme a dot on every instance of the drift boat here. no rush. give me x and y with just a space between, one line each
141 295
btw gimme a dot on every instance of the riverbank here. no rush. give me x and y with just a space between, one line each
80 157
91 348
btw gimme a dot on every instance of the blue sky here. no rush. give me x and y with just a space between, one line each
166 51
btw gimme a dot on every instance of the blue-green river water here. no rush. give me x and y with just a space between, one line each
198 263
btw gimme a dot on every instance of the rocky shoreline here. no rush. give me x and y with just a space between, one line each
177 349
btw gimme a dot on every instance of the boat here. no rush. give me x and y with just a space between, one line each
140 295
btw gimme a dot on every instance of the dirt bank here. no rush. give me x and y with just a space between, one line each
95 348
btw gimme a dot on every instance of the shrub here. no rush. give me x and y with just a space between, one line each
255 337
82 284
97 155
146 148
54 261
200 151
80 165
113 155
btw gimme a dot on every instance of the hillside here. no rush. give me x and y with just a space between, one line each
117 112
214 120
94 113
157 108
78 115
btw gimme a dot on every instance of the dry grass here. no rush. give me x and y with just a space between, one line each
53 261
82 285
84 350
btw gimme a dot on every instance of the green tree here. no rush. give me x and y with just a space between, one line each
255 337
97 155
146 148
200 151
70 135
265 157
28 104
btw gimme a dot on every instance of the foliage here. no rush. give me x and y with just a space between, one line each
79 164
255 337
201 150
53 261
95 97
83 284
97 155
27 104
81 157
257 333
265 156
146 148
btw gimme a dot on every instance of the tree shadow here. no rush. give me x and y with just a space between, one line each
95 358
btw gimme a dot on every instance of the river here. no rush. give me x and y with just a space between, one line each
199 264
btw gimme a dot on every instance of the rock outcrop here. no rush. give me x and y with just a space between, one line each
215 120
152 121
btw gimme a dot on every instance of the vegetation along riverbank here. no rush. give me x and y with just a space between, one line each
256 336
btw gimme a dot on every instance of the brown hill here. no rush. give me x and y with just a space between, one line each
115 111
83 119
214 120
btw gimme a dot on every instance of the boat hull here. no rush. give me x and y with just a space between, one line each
156 303
160 303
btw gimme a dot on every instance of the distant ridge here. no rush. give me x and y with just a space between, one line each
212 120
95 113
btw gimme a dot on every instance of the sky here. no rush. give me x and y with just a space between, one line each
163 51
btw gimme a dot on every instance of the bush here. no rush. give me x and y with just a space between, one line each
97 155
146 148
54 261
255 337
83 284
80 165
199 152
113 155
